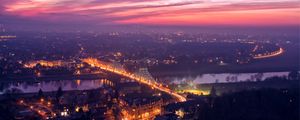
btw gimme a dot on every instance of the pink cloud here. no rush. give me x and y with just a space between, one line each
158 11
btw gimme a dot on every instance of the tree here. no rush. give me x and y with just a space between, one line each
59 93
213 92
91 96
294 75
40 93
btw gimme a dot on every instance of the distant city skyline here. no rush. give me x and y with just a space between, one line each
151 12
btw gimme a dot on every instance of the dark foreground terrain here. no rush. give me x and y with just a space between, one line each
264 104
265 100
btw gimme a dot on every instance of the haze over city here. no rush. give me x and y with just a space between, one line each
149 59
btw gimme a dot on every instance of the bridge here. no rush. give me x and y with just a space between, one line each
142 76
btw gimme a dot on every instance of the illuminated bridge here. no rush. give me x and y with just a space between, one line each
142 76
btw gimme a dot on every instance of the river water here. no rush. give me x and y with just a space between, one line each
67 85
222 78
48 86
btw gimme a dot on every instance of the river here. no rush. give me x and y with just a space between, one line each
221 78
52 85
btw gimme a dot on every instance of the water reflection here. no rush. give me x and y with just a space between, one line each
48 86
223 78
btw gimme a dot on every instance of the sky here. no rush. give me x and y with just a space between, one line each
152 12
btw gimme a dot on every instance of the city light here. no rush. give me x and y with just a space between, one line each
141 79
271 54
149 59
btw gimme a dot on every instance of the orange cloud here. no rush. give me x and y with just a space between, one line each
258 17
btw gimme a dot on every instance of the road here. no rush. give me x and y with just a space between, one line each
268 55
96 63
44 111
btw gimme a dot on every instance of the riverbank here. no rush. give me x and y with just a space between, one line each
223 88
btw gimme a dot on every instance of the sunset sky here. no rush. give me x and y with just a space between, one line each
154 12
